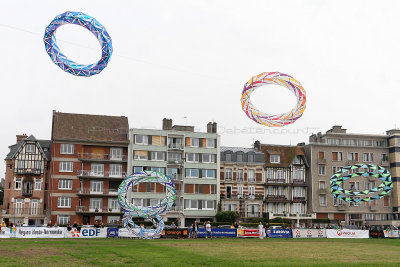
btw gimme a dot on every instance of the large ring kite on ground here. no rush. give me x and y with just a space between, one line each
351 171
150 212
279 79
92 25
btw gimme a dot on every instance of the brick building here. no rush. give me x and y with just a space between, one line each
242 181
89 156
26 181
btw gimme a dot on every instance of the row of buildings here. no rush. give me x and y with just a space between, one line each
74 177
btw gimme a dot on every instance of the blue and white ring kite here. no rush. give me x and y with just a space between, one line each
92 25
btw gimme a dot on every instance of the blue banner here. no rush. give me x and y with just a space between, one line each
279 233
218 232
112 232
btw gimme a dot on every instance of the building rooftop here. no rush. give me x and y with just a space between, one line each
91 128
287 154
44 144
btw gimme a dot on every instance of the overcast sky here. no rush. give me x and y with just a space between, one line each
190 59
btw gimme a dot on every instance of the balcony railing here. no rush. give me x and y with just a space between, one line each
242 197
23 212
87 173
178 177
251 214
100 157
87 191
299 182
277 181
291 215
29 171
175 146
175 161
342 207
94 209
299 199
276 198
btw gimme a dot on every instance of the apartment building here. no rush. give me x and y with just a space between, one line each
242 181
26 181
190 158
89 162
328 153
394 158
286 182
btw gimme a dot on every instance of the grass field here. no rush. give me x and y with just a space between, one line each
216 252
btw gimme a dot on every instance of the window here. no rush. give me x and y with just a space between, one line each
208 158
349 142
96 186
250 157
270 174
64 202
240 191
369 185
322 200
175 142
298 191
113 204
365 142
281 208
97 169
384 157
240 174
228 174
174 156
191 204
34 207
65 184
280 191
335 170
370 217
30 148
141 139
252 190
333 141
275 158
194 142
270 190
157 140
297 208
210 143
158 156
96 204
271 207
172 173
230 207
354 185
19 206
228 156
63 219
38 184
251 175
322 185
357 203
192 173
386 201
279 174
113 219
208 173
66 166
67 149
38 165
116 153
207 204
192 157
368 157
338 202
379 143
228 191
157 169
252 210
352 156
140 155
18 183
321 170
116 170
21 164
137 169
298 174
321 155
239 157
337 156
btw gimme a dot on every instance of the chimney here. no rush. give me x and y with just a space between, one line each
21 137
257 145
214 127
167 124
209 127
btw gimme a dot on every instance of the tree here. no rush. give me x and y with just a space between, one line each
227 216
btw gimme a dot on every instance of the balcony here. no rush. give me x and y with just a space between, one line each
176 177
176 146
242 197
299 182
27 192
105 192
23 212
293 216
276 181
97 210
109 175
101 157
32 171
341 207
251 214
299 199
276 198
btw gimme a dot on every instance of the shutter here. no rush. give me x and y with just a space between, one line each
204 141
188 141
156 140
201 142
222 176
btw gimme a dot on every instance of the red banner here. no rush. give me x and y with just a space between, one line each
248 233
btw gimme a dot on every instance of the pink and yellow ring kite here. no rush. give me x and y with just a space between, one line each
279 79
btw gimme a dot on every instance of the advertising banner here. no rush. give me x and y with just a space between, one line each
175 233
112 232
279 233
5 232
38 232
376 234
86 233
309 233
347 233
247 233
392 233
218 232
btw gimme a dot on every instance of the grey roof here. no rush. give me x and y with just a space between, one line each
43 144
258 155
237 149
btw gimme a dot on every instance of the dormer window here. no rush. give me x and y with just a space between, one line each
275 158
30 148
239 156
250 157
228 156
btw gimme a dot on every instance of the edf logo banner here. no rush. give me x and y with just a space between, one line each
87 233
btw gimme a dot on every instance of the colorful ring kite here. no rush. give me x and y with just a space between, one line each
146 212
92 25
370 170
279 79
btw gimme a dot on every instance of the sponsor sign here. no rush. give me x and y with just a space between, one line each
347 233
279 233
392 233
32 232
175 233
309 233
5 232
112 232
247 233
376 234
86 233
218 232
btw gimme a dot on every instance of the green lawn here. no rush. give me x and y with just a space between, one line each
201 252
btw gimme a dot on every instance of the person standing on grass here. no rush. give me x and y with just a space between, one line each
208 229
261 231
195 229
